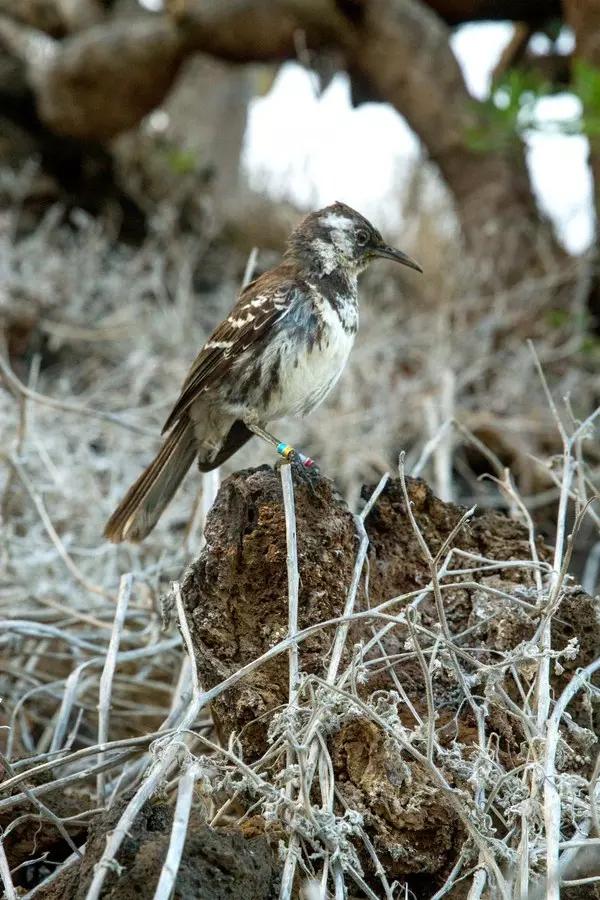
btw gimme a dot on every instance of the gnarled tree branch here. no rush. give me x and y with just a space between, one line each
103 80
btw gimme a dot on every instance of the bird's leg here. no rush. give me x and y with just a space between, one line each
285 450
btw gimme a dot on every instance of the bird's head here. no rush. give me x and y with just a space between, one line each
339 238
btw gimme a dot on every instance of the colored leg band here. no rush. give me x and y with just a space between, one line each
285 450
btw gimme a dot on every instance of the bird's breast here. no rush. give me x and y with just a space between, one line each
307 357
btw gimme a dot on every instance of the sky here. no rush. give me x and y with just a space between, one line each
317 149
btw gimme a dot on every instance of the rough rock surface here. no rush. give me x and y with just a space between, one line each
236 593
216 865
236 602
24 830
372 778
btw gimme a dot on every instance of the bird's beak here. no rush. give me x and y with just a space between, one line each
397 255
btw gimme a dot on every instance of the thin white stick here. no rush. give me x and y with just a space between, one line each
552 802
9 888
451 879
442 457
592 879
250 267
210 488
341 633
202 506
576 844
40 888
429 447
106 679
589 579
158 770
523 855
478 885
293 579
185 794
289 869
342 630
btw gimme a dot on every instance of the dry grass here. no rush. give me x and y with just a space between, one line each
99 698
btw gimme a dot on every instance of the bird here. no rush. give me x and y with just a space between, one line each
279 352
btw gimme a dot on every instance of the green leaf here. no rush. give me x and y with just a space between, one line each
181 162
556 318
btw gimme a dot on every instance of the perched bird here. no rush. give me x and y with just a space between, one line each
278 353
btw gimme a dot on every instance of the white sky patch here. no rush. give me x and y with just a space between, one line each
559 172
315 150
557 162
478 49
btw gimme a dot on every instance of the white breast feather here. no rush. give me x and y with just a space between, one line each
307 376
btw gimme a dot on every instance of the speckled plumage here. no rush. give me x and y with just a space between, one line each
280 352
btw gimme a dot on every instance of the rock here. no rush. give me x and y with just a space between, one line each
236 600
236 592
216 864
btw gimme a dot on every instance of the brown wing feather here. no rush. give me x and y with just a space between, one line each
260 305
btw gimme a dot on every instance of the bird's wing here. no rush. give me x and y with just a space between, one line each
260 306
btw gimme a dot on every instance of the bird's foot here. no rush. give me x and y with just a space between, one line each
305 474
303 466
294 456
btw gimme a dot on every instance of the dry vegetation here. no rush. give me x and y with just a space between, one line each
102 707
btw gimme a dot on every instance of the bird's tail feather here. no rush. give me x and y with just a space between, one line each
144 502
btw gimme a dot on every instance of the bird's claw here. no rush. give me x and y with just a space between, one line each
302 465
304 473
300 461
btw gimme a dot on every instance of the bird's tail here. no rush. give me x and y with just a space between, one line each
144 502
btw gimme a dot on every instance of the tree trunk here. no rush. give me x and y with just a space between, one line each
398 49
492 192
584 18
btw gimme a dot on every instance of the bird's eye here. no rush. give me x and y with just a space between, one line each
362 237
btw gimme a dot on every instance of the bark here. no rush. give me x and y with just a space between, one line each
78 174
106 79
583 16
54 17
495 205
58 17
212 138
59 115
534 12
